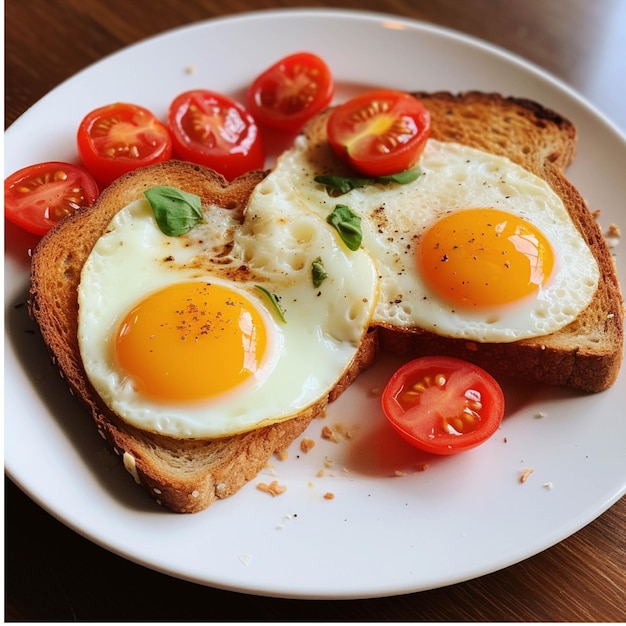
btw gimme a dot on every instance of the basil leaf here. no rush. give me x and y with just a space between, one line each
176 211
274 300
318 272
348 225
339 185
402 178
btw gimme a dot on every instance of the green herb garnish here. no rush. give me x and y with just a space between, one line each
176 211
339 185
348 225
273 298
402 178
318 273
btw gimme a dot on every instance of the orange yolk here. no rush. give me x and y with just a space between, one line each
481 258
191 341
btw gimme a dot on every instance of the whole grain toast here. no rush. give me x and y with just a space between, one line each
183 475
586 354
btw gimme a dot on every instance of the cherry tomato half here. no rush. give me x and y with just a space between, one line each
380 132
443 405
38 196
117 138
211 129
291 91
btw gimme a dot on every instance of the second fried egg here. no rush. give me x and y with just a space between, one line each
182 339
477 247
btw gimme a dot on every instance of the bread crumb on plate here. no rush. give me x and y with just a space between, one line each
307 444
525 473
274 488
613 235
328 434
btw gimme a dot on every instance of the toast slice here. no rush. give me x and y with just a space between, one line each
183 475
586 354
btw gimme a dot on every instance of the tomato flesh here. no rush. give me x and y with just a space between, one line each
380 132
118 138
210 129
38 196
443 405
291 91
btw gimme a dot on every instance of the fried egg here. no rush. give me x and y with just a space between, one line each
477 247
202 336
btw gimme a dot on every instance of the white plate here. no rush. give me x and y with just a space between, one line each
390 529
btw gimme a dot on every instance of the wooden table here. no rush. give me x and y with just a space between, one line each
53 574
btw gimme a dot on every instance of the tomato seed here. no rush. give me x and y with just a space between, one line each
60 175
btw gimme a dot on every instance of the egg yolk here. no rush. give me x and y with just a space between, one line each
481 258
190 341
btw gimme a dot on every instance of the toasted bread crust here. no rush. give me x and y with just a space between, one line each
521 130
187 476
183 475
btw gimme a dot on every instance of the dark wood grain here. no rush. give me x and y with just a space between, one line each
53 574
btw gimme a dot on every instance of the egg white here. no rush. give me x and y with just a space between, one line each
454 177
308 354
